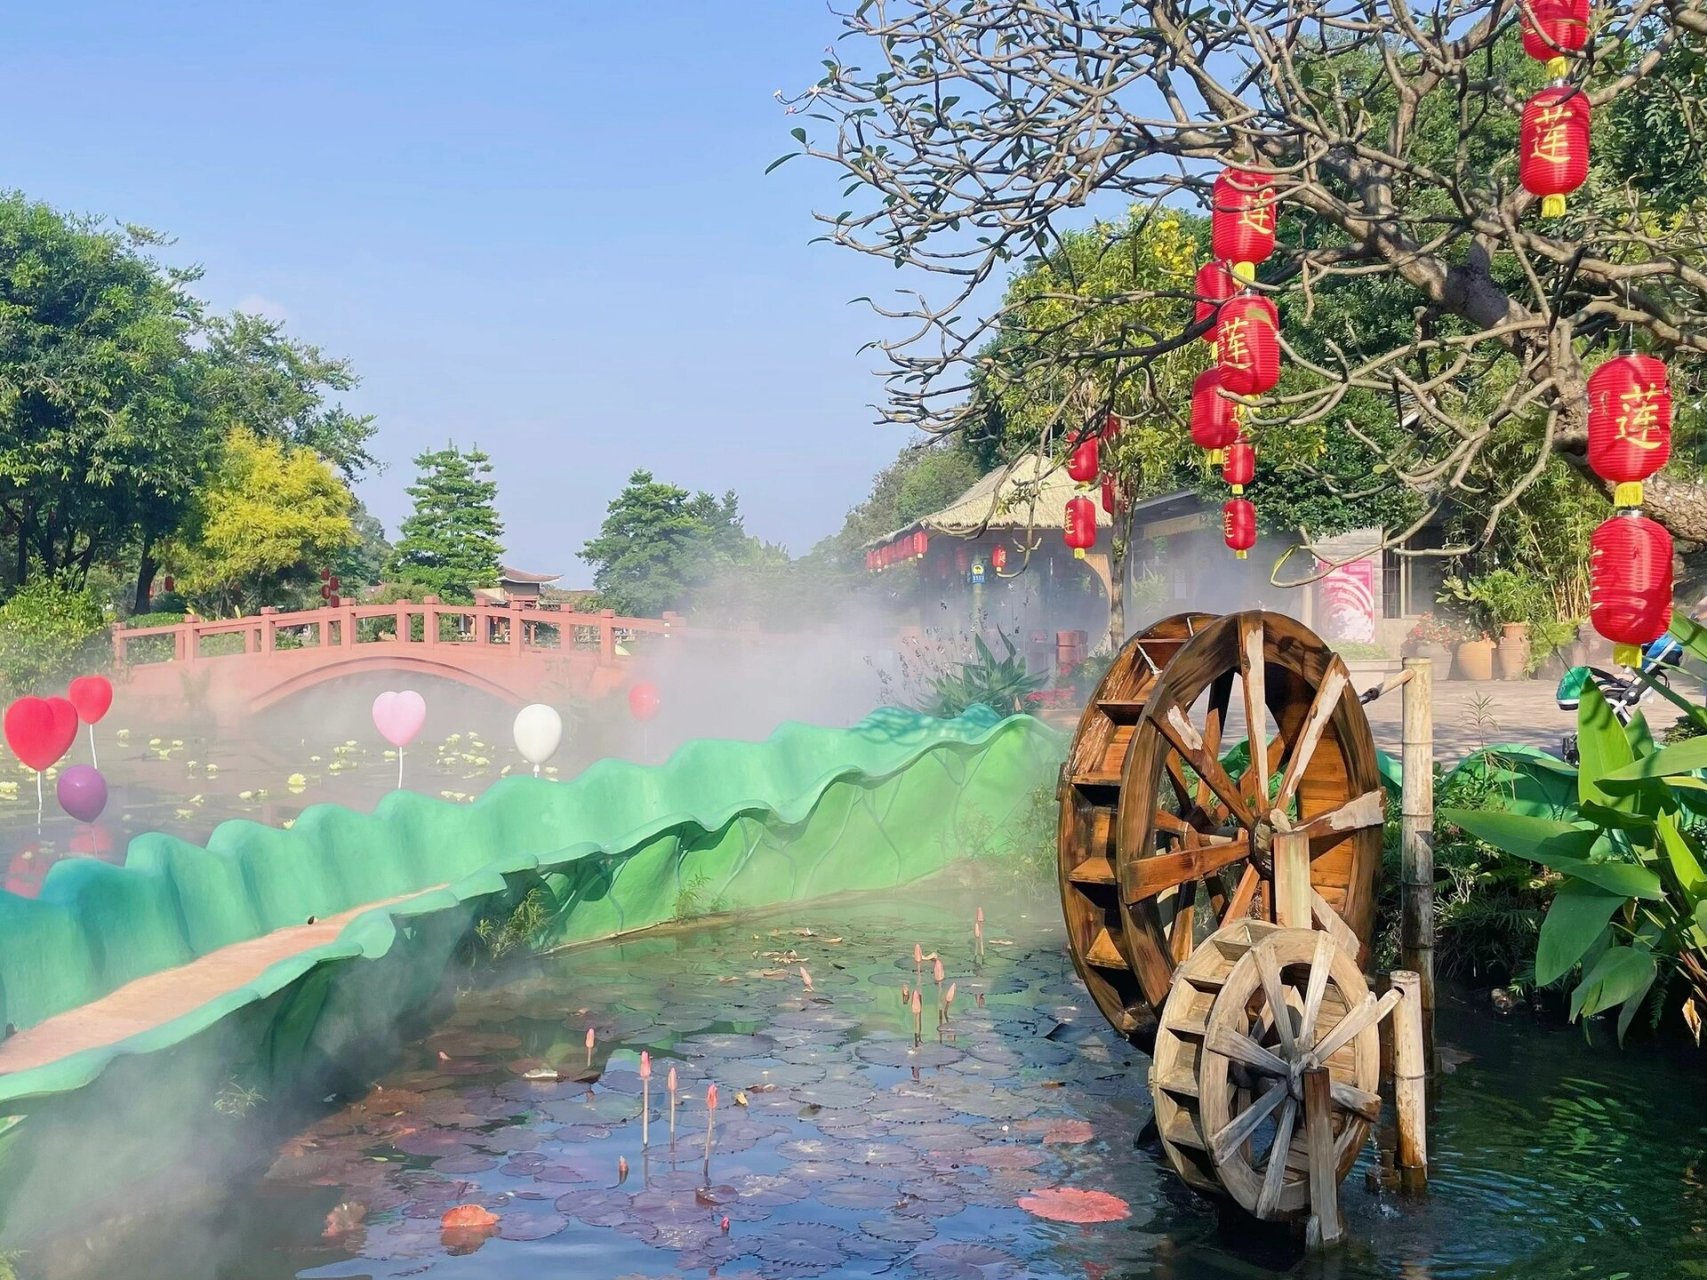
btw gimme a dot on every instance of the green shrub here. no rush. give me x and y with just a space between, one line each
48 633
985 680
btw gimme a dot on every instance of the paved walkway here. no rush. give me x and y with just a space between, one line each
157 999
1471 714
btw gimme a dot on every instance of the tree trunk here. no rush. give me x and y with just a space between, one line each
146 568
1119 543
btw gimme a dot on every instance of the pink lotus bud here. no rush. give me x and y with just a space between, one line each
936 970
980 915
711 1098
670 1080
806 977
591 1038
978 929
949 998
645 1065
918 1004
918 954
725 1224
906 993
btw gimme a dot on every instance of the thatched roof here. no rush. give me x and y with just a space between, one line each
1032 494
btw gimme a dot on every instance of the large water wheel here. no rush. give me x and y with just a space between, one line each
1208 739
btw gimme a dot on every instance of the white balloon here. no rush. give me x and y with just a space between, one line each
538 731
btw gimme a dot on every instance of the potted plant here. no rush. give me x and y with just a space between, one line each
1432 638
1475 656
1501 602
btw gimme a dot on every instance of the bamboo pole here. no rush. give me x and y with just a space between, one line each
1416 841
1291 852
1325 1227
1409 1069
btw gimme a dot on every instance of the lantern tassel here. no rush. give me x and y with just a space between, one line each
1557 68
1552 206
1239 555
1627 655
1627 494
1238 488
1078 553
1245 272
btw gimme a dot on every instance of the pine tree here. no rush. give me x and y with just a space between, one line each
450 543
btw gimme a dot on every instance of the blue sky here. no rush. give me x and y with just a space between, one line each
540 226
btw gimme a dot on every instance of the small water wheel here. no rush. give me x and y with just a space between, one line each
1167 860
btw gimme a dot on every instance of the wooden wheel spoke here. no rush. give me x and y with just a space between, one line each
1241 1048
1180 933
1269 972
1214 728
1322 708
1173 824
1349 1027
1184 738
1237 1131
1155 875
1253 675
1244 894
1316 988
1367 810
1361 1102
1275 1175
1182 788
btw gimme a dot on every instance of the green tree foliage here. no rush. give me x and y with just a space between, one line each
925 477
266 520
363 562
659 545
450 543
48 632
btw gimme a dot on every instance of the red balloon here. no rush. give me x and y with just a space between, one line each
92 696
643 700
40 730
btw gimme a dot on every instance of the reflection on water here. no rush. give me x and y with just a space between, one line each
841 1150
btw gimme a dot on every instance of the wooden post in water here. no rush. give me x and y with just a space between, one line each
1291 853
1409 1072
1416 841
1325 1227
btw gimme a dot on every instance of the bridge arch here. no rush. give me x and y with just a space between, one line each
394 662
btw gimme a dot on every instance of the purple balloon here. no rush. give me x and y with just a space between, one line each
82 792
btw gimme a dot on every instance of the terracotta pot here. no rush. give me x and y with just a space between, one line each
1476 660
1512 654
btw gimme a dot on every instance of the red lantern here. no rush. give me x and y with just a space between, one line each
1239 467
1082 463
1239 525
1629 570
1552 29
335 602
1080 525
1110 498
1242 220
1553 159
1249 345
1214 420
1629 423
325 575
998 558
1111 429
325 592
171 586
1215 284
336 583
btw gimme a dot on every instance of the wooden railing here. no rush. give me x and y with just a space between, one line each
491 629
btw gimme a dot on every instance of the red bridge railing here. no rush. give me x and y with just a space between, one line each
531 631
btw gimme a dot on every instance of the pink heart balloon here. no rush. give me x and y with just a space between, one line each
399 716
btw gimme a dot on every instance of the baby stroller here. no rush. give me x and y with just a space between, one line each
1622 695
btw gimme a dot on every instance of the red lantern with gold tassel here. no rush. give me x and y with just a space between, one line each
1214 418
1553 157
1630 584
998 557
1629 423
1242 220
1215 284
1080 526
1110 497
1239 525
1083 462
1239 467
1249 345
1110 429
1553 30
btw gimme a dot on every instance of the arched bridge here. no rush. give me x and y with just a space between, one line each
232 668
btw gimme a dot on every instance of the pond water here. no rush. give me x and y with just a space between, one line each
839 1150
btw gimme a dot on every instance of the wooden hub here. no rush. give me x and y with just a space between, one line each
1165 834
1254 1010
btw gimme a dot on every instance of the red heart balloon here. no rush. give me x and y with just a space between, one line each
40 730
92 696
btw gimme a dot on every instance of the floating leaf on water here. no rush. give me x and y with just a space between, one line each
898 1230
1071 1204
468 1216
460 1165
1068 1131
343 1219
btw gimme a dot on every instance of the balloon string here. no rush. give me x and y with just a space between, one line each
39 801
92 755
400 768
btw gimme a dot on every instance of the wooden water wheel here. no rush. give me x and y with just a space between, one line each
1253 1010
1160 844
